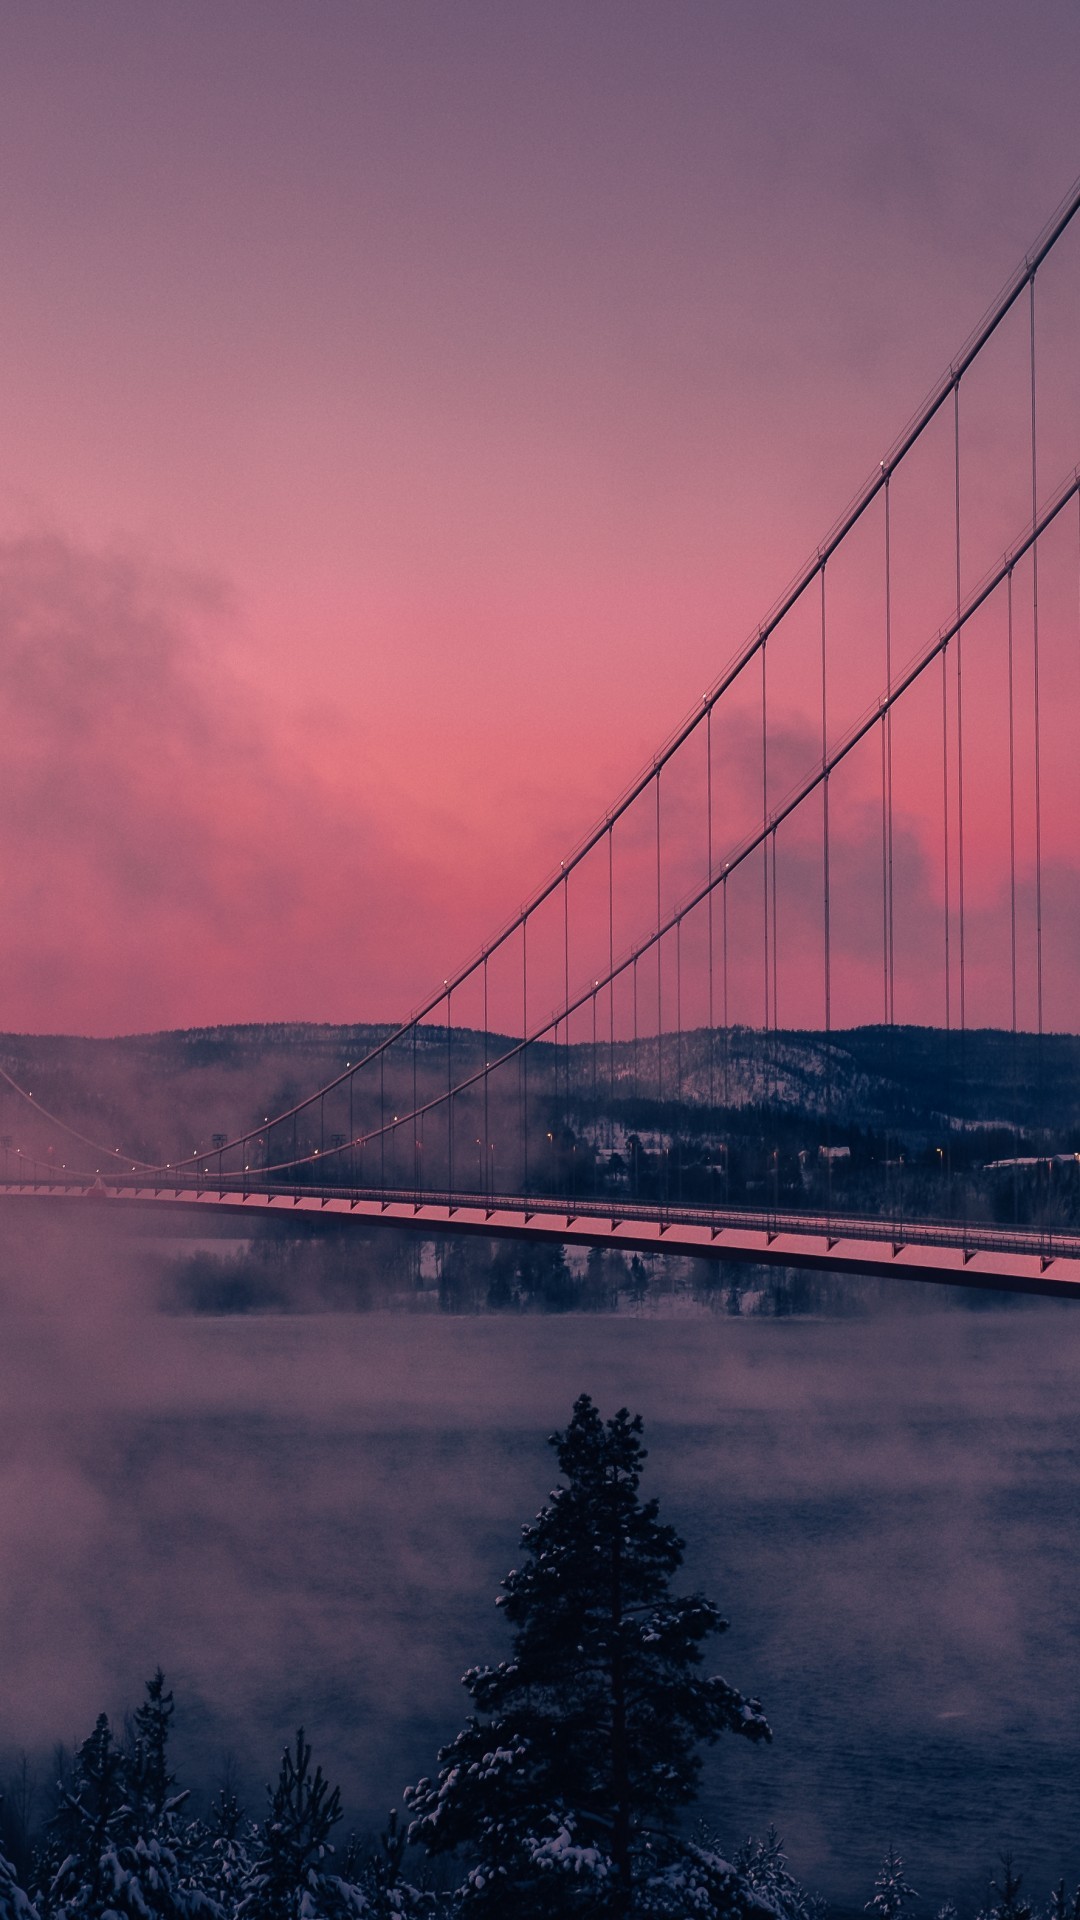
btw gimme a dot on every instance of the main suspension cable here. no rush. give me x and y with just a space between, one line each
1024 277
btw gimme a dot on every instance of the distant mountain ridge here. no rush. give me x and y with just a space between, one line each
161 1094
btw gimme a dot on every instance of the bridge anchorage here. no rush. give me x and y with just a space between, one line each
804 995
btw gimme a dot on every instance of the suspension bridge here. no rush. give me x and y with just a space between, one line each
866 825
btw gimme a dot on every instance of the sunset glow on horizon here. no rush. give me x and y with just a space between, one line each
408 412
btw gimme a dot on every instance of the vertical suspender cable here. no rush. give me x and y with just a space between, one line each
946 853
1035 673
887 747
485 1157
775 1064
1012 795
885 832
659 975
417 1122
566 1003
775 959
827 899
885 861
1014 1060
595 1090
1037 725
765 837
637 1078
890 951
960 921
709 902
946 862
449 1096
611 985
727 1046
524 1081
766 1049
678 1057
959 729
553 1050
678 1013
658 955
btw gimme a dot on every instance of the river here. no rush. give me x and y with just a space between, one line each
304 1519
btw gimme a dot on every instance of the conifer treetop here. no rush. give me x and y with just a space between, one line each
566 1784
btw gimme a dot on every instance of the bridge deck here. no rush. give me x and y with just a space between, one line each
957 1254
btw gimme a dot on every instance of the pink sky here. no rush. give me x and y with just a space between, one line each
407 411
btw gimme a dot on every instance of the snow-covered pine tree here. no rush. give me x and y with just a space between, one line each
380 1873
218 1851
1007 1902
564 1788
891 1891
117 1830
87 1826
699 1882
15 1904
291 1876
149 1778
1059 1906
764 1864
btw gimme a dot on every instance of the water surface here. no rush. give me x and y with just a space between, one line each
306 1518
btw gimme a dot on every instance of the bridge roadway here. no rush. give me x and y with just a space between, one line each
953 1253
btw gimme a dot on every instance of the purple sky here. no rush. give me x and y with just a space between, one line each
407 411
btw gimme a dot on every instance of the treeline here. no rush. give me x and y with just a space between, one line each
564 1796
353 1270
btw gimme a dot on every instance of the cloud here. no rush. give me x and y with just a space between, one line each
167 855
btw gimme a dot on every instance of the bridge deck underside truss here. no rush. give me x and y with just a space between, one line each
1021 1263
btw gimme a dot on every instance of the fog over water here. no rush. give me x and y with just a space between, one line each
306 1518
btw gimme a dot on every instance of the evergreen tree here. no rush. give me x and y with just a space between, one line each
291 1877
565 1785
389 1894
1059 1908
15 1904
87 1827
699 1881
764 1865
16 1818
891 1891
636 1283
148 1767
597 1292
116 1834
220 1850
1007 1902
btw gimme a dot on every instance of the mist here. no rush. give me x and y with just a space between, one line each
304 1518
